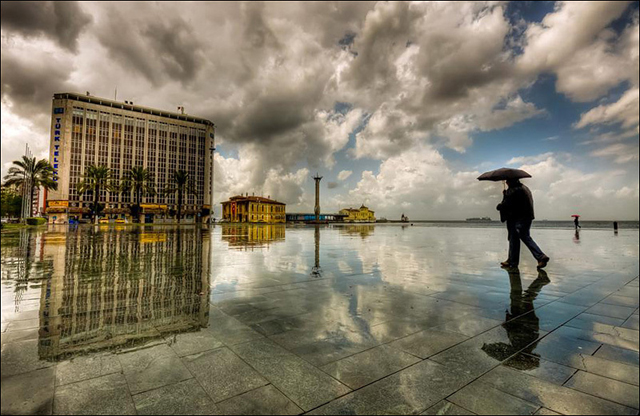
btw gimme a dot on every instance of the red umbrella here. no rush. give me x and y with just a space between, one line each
576 215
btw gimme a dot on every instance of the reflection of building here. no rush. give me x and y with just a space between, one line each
252 235
362 230
362 214
88 130
116 288
253 209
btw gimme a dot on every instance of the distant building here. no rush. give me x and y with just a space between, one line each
254 209
88 130
362 214
308 217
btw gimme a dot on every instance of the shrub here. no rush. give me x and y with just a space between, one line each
36 221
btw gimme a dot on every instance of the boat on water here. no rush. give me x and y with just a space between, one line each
479 219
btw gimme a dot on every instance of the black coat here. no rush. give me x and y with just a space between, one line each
517 204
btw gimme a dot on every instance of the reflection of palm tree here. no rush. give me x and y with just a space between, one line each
525 330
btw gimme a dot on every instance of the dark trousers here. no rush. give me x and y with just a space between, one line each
519 230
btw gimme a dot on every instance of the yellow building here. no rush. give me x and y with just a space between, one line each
362 214
241 208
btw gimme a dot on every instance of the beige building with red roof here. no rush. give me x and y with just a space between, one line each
245 208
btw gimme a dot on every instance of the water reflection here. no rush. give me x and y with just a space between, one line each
576 237
250 236
316 271
319 294
363 231
23 264
525 330
111 289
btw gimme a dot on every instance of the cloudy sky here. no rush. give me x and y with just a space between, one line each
398 105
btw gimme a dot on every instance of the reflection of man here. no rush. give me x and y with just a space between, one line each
516 209
524 330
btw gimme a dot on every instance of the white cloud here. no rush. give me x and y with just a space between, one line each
428 72
623 111
423 185
619 152
574 43
344 174
529 159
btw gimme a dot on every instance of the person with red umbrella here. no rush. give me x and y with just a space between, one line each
516 209
576 221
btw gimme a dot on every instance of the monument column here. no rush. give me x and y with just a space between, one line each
317 208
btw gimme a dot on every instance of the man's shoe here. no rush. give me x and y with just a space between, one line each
508 265
543 263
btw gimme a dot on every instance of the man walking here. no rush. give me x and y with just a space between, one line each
516 209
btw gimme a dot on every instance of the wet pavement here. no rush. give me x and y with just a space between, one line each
352 319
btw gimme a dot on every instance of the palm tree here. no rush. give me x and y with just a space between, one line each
181 184
140 181
94 180
29 175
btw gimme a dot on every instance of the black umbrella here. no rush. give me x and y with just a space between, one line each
503 174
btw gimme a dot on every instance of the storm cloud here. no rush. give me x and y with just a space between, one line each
61 21
365 91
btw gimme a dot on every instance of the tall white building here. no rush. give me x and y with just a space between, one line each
89 130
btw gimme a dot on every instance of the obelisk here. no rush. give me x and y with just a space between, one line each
317 208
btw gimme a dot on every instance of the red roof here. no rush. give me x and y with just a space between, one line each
242 198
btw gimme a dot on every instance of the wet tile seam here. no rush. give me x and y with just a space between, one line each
270 382
426 359
598 397
492 368
494 387
445 399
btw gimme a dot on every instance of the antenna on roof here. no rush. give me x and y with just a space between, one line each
115 95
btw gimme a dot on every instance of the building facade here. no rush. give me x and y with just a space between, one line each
362 214
89 130
253 209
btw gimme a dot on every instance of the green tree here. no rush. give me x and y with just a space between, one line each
10 202
31 174
139 181
181 184
94 180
